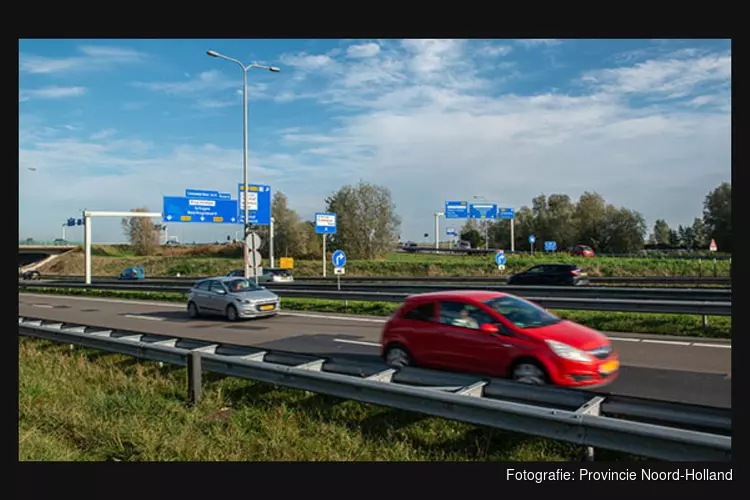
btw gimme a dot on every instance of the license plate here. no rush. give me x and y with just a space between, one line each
584 274
267 307
609 367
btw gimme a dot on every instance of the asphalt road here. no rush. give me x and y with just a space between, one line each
678 369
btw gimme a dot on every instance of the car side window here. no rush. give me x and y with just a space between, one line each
424 312
536 270
216 287
203 286
464 315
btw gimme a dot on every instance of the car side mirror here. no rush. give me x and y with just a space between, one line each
221 292
489 328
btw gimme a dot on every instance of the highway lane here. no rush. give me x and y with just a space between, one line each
672 368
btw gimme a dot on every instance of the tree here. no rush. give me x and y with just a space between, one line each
289 234
368 225
674 239
472 236
661 233
717 215
141 233
701 237
589 219
623 231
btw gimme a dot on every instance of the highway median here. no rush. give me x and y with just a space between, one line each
607 321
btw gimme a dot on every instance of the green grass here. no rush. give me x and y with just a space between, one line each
84 405
664 324
217 260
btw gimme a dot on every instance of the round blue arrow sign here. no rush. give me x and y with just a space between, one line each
500 259
338 258
532 238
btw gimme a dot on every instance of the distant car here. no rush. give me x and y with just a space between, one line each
465 245
498 335
232 297
409 246
30 275
551 275
272 274
132 273
581 251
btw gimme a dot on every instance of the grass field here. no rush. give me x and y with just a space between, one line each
82 405
664 324
220 259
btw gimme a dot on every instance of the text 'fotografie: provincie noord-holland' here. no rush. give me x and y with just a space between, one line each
620 475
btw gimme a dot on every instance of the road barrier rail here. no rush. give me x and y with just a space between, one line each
639 426
640 305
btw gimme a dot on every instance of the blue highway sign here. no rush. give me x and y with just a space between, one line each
451 231
201 210
483 211
200 193
325 223
456 210
506 213
338 258
71 222
259 204
225 196
532 239
550 246
500 259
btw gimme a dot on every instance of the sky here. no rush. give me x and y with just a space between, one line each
113 125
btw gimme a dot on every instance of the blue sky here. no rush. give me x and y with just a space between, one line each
117 124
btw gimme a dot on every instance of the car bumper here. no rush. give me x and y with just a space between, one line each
587 376
252 311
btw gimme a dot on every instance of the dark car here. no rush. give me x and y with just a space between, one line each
30 275
551 274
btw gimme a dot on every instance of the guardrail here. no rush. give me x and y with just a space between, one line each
639 426
485 251
694 307
635 280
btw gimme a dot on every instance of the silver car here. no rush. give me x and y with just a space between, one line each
233 297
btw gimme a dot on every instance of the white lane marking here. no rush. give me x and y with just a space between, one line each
621 339
143 316
357 342
722 346
95 299
667 342
322 316
46 306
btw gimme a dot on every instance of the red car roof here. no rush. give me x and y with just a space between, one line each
479 295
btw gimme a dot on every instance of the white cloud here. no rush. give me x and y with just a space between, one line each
539 42
363 50
103 134
52 92
307 62
95 57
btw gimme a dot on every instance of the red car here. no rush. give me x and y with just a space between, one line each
582 251
499 335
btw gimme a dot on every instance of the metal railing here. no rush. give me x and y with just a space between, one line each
718 307
644 427
641 255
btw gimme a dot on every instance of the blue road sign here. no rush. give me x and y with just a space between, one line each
506 213
500 259
532 239
451 232
259 204
550 246
325 223
456 210
200 193
483 211
71 222
201 210
225 196
79 222
338 258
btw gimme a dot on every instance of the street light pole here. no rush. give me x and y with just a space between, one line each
246 225
437 228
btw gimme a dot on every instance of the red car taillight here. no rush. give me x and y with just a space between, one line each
575 273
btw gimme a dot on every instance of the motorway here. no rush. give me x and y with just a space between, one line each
687 370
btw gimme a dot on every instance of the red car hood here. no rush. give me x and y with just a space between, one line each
573 334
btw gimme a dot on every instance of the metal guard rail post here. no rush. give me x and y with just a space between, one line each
584 425
705 308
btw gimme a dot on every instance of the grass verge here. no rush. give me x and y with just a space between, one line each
663 324
85 405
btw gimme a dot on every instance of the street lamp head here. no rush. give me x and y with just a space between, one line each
274 69
212 53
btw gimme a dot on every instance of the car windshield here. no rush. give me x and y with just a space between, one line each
522 313
241 285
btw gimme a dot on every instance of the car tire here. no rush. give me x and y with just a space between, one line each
529 371
398 356
232 314
193 311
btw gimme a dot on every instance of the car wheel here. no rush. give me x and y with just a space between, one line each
529 372
193 310
398 356
232 313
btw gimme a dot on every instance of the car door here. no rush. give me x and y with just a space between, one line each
465 347
417 329
546 276
201 295
217 296
533 276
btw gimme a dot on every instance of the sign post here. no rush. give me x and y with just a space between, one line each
532 239
339 261
252 255
500 260
509 213
325 224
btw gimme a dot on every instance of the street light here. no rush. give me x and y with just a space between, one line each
437 216
244 67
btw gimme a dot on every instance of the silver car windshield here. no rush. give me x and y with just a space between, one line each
241 285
